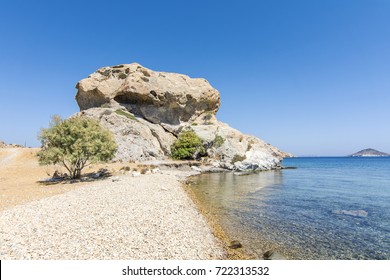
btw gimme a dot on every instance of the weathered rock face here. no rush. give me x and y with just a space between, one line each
231 149
136 138
163 98
146 110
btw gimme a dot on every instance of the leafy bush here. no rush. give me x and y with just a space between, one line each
218 141
74 143
237 158
187 146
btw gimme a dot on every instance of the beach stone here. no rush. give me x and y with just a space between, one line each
115 179
195 168
156 170
273 255
355 213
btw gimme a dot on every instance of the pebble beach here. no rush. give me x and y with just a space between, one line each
145 217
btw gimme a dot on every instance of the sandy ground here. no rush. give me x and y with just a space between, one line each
19 176
146 217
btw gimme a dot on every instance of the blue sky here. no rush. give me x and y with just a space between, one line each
310 77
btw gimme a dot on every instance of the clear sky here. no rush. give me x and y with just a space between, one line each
310 77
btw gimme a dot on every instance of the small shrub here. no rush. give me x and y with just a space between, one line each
238 158
144 170
194 124
187 146
126 114
218 141
122 76
125 168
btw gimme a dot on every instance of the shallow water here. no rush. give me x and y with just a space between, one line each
327 208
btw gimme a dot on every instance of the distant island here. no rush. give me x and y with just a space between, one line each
369 153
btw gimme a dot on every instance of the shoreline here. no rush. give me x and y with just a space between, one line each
145 217
266 250
21 191
214 225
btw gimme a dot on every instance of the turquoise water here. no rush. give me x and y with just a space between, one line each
326 208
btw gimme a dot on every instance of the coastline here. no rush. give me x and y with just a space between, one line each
227 238
214 225
146 217
260 250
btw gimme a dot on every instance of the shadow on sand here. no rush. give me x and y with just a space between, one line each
59 178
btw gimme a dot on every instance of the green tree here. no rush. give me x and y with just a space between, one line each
74 143
187 146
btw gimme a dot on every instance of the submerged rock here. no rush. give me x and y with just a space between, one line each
355 213
235 244
273 255
146 110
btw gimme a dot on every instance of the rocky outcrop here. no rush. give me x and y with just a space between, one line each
231 149
167 99
5 145
146 110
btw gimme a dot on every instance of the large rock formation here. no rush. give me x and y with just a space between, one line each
162 98
146 110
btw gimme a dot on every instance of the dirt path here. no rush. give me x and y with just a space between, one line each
10 154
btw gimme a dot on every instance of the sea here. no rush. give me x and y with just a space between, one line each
317 208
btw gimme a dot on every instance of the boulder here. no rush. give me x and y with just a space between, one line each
167 99
146 110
